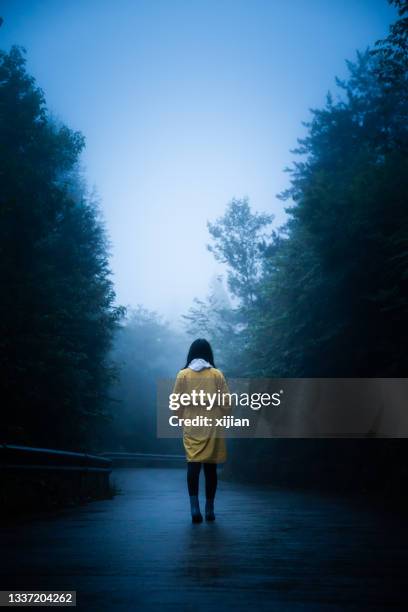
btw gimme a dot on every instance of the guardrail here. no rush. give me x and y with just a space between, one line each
125 459
26 457
42 478
38 478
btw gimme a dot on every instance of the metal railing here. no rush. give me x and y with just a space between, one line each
13 457
126 459
34 479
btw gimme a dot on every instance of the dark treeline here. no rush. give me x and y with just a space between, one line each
326 295
76 373
57 312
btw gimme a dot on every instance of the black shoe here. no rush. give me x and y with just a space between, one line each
197 518
210 516
209 510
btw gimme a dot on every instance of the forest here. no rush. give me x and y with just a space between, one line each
324 295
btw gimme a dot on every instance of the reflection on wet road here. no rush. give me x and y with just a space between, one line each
269 549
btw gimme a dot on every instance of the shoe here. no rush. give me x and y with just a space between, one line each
196 515
197 518
209 510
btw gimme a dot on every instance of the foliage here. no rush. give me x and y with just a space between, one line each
57 313
329 296
237 238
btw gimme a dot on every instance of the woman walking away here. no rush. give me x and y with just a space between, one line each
204 445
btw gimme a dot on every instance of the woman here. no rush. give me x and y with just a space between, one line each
204 445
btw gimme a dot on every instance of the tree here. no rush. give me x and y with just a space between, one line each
237 238
393 50
57 314
333 293
215 319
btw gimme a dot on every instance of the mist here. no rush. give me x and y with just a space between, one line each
184 106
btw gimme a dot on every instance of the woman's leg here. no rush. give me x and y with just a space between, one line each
193 476
210 471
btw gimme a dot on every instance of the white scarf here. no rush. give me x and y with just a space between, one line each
199 364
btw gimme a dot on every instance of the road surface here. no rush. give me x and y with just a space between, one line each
268 550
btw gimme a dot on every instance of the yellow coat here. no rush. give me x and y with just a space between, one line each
204 444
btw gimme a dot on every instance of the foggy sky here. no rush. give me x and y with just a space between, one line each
184 105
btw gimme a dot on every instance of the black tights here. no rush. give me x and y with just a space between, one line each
193 474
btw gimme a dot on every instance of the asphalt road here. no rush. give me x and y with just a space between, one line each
268 550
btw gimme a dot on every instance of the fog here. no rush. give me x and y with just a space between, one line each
185 105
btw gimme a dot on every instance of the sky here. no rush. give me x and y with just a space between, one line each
185 104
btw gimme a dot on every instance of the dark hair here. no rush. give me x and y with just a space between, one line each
200 349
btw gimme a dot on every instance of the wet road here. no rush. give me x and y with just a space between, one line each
268 550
